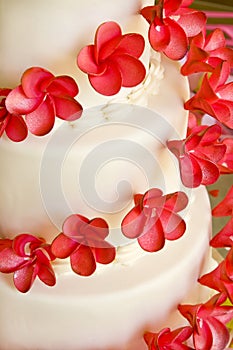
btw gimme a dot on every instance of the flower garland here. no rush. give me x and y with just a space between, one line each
113 62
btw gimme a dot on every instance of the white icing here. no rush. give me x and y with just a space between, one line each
112 308
40 184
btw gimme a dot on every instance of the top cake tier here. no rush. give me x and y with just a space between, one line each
50 34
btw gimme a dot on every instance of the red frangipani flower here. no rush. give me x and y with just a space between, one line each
224 238
13 125
27 257
171 24
167 339
209 323
215 96
226 163
154 219
221 278
113 60
84 242
198 155
206 53
41 97
225 207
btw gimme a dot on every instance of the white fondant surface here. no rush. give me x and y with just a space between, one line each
93 167
112 308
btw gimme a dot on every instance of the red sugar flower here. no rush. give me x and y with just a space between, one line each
27 257
226 163
167 339
13 125
209 323
41 97
198 155
207 53
225 207
224 238
171 24
84 241
154 219
113 60
221 278
215 96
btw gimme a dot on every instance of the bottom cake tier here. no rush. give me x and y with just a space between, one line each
114 307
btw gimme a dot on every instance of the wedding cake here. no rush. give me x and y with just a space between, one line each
105 223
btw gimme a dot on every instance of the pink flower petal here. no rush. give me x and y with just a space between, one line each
24 278
62 246
149 13
215 40
73 225
16 128
45 271
152 239
133 223
41 120
190 171
224 238
176 201
32 80
132 70
210 171
192 21
132 45
18 103
173 225
20 244
100 226
225 207
86 61
178 44
109 83
10 261
82 261
63 86
67 108
159 36
106 254
105 32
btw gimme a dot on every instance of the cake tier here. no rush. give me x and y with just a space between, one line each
112 308
95 165
50 34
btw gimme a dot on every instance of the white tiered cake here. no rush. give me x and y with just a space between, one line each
93 167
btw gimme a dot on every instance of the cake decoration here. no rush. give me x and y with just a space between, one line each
41 97
172 23
154 219
27 257
198 155
84 242
113 60
111 63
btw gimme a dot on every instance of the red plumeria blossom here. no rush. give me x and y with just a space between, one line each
13 125
84 242
27 257
225 207
198 155
113 61
226 163
41 97
171 24
209 323
215 96
206 53
221 278
169 340
154 218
